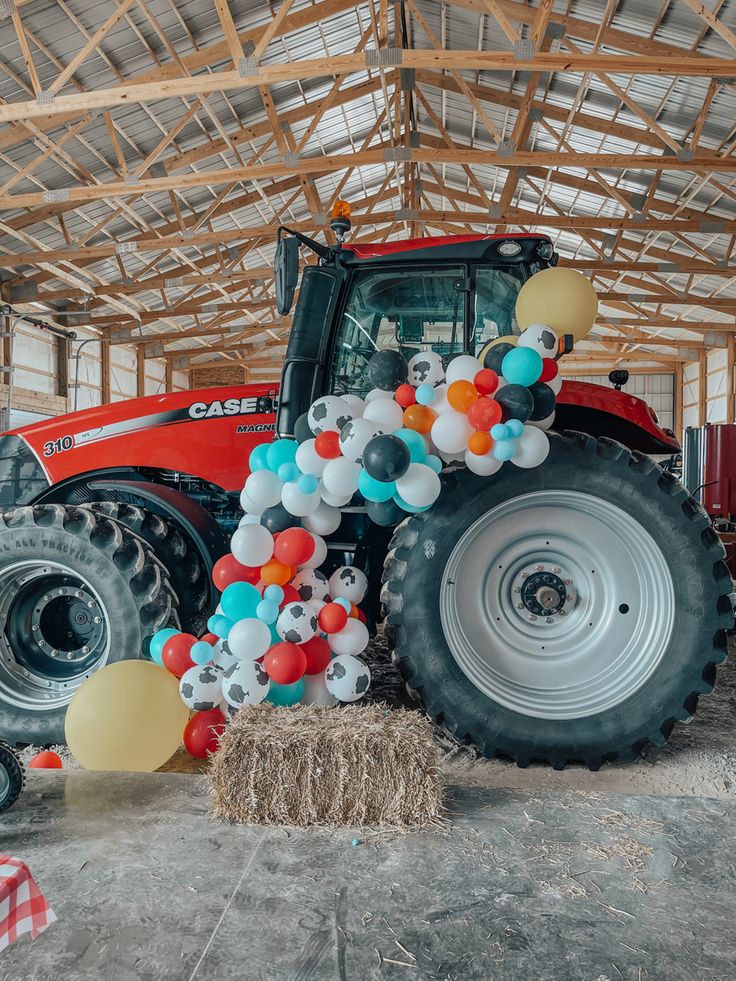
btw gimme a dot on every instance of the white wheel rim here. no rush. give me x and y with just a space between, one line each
613 632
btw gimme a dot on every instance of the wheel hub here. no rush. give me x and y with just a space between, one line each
544 593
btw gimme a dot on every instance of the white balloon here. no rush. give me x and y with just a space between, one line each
201 687
355 404
555 383
543 424
352 639
532 448
375 393
440 404
457 457
355 436
249 638
335 500
340 477
316 606
451 431
311 585
263 488
328 412
348 583
297 623
245 683
250 519
297 502
463 368
315 691
308 459
484 465
426 368
250 506
347 678
419 486
541 338
318 555
324 520
388 414
252 545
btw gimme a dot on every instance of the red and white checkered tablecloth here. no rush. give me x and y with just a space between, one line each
22 906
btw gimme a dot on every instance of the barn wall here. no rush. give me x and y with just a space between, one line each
712 406
656 390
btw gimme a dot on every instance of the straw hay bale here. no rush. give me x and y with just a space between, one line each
313 765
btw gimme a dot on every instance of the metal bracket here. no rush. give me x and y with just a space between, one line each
248 67
7 8
178 363
711 225
46 98
524 49
383 57
408 79
121 334
249 48
685 154
395 154
158 169
291 160
319 219
56 197
155 350
125 248
176 281
495 211
639 216
555 31
415 139
26 291
723 80
668 267
407 214
506 148
535 114
712 338
131 179
188 234
638 200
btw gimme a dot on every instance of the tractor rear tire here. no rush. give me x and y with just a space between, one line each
175 549
77 591
12 777
571 613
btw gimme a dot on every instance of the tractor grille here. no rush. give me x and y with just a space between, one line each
21 476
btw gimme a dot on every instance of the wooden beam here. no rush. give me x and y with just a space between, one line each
140 370
712 21
678 401
25 49
169 376
702 387
731 379
60 81
106 387
229 30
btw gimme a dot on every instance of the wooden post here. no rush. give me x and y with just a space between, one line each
677 401
62 366
702 386
105 393
730 393
140 370
169 375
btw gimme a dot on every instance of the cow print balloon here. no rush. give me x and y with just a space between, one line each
347 678
426 369
297 623
311 585
541 339
328 412
245 683
201 687
349 583
355 436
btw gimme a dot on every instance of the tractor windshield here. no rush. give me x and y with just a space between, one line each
419 309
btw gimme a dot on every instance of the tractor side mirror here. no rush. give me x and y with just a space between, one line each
286 272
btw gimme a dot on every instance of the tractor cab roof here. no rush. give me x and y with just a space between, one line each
523 247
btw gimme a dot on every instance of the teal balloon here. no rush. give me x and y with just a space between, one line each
344 603
268 611
240 600
434 463
288 472
158 640
522 366
202 652
415 442
285 694
258 459
275 594
219 625
410 507
515 427
504 449
500 432
375 490
284 451
425 394
307 483
275 639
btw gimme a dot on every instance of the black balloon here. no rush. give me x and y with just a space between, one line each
544 401
495 356
385 513
278 519
302 432
386 458
516 401
387 370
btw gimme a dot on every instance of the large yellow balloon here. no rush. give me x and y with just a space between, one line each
128 716
560 297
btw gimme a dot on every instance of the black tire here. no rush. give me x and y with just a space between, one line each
659 503
113 565
12 777
175 549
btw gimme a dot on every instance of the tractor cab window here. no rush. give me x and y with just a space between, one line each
406 310
496 289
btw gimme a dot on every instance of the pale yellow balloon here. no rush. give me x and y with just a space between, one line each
512 339
560 297
127 716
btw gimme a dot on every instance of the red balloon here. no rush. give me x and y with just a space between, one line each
46 760
550 369
295 545
210 639
291 595
327 445
405 395
484 413
285 663
202 733
486 381
362 617
175 654
228 570
318 654
332 618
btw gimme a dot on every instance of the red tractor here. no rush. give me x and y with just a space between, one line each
573 612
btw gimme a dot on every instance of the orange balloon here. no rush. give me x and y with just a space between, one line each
480 443
353 615
275 573
461 395
419 418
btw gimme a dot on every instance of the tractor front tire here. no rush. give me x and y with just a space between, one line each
571 613
77 591
12 777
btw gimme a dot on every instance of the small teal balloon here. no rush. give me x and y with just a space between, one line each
202 652
258 459
425 394
275 594
434 463
415 442
307 483
345 603
515 427
504 449
375 490
219 625
411 508
522 366
268 611
239 601
500 432
284 451
286 694
158 640
288 473
275 639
